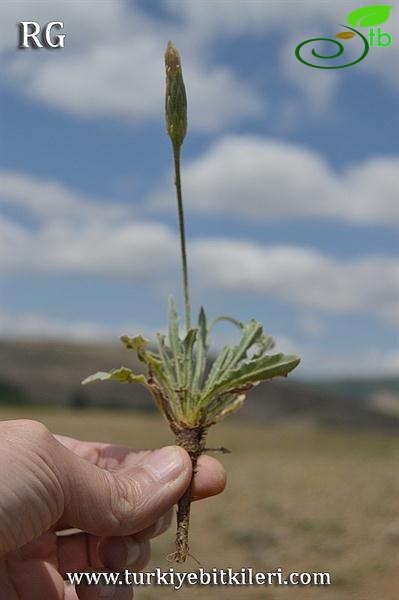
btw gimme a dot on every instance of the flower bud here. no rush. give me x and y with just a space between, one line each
175 99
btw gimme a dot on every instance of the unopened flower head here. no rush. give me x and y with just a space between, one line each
175 100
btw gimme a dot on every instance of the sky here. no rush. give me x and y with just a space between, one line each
290 177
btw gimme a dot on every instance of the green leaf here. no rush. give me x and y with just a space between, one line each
369 15
202 351
174 339
166 361
219 403
136 342
217 366
259 369
188 344
265 368
252 333
265 343
123 375
165 382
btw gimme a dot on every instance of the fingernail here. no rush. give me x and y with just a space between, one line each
133 552
165 464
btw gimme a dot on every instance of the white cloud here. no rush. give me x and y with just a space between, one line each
112 65
39 326
311 325
112 61
224 19
255 177
133 88
47 199
321 362
139 249
300 276
148 252
294 21
34 325
77 233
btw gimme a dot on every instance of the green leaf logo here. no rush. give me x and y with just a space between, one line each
369 15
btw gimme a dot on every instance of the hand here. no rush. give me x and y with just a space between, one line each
119 498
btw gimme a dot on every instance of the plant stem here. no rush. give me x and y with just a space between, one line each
176 160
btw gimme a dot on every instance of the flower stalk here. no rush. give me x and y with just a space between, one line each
176 126
180 209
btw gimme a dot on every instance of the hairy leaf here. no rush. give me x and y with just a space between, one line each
202 351
123 375
135 342
259 369
252 333
217 366
166 361
188 345
174 340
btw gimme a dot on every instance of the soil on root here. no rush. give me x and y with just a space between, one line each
193 441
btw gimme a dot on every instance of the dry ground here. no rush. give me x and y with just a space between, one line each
297 498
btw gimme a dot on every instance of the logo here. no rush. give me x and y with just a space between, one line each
32 35
369 16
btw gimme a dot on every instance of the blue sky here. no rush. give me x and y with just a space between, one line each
291 178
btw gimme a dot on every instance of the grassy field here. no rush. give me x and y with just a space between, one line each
298 498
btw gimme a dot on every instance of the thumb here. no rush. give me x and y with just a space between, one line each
109 503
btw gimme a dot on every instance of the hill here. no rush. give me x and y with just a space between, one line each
51 373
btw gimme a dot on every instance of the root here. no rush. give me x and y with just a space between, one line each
222 450
192 440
